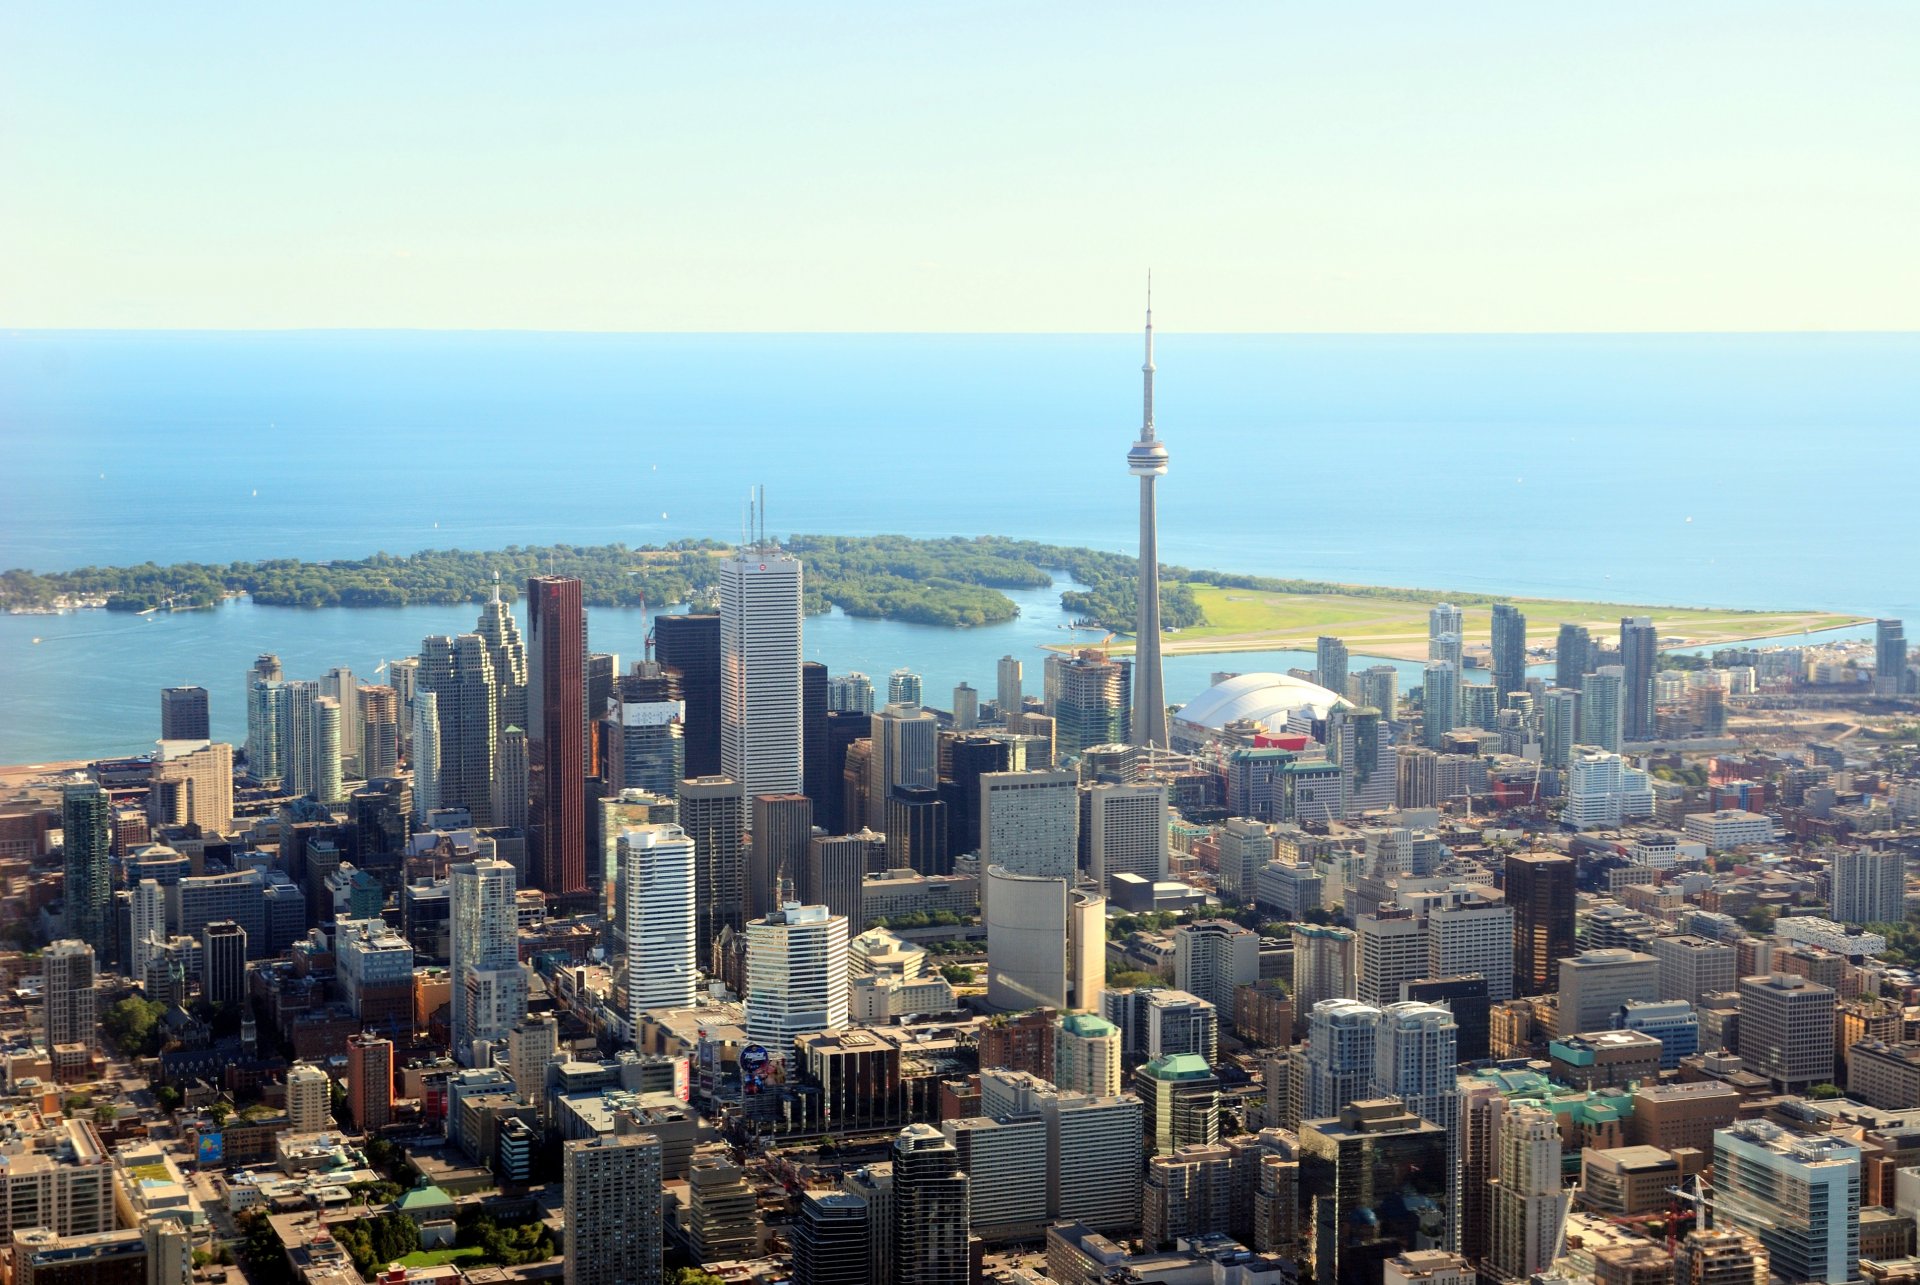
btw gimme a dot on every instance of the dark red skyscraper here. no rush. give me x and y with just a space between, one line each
557 737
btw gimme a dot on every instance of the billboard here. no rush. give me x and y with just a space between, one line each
212 1149
755 1072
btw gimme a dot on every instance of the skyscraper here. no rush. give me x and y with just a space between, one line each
378 712
1007 699
1799 1196
1336 1066
86 823
509 656
647 743
1603 708
1529 1206
1560 722
760 624
1440 702
1030 823
223 962
1087 700
489 984
70 1003
657 878
426 754
905 753
1147 460
369 1081
612 1205
690 646
931 1209
1540 888
458 673
1127 831
780 825
966 707
1572 656
851 693
1639 659
557 734
339 685
1889 657
1868 887
796 976
512 777
1330 664
815 781
713 814
904 687
1446 626
264 717
183 714
1509 651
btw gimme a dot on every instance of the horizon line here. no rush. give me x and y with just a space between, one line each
12 331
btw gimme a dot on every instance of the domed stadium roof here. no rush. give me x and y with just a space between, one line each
1264 698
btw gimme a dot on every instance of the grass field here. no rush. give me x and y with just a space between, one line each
1251 620
435 1257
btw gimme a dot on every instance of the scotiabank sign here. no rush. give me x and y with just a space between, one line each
652 713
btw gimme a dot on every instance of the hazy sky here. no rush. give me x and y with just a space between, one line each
1423 166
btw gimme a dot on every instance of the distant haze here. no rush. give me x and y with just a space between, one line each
992 167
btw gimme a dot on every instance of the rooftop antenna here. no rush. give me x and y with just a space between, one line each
496 586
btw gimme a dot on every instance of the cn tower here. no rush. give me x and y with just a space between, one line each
1148 461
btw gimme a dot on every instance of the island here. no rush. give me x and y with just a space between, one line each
952 581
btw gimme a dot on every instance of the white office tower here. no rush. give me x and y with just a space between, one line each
531 1044
1129 831
1392 951
1868 887
1213 959
850 693
1416 1058
149 926
656 874
796 976
1529 1205
906 752
309 1099
1440 702
612 1204
760 622
489 984
1596 984
1030 823
1797 1195
1468 933
966 707
71 1002
426 755
1026 940
311 743
1086 1055
338 685
1337 1065
1602 791
1091 1149
1446 625
1086 950
904 687
1603 708
1007 700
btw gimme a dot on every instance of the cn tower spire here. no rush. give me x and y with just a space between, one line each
1148 462
1146 371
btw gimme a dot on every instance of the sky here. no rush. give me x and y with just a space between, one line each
1000 167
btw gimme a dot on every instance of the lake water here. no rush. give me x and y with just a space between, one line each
1744 471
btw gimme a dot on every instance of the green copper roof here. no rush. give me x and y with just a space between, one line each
1087 1024
1180 1066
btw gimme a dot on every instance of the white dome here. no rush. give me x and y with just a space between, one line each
1264 698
